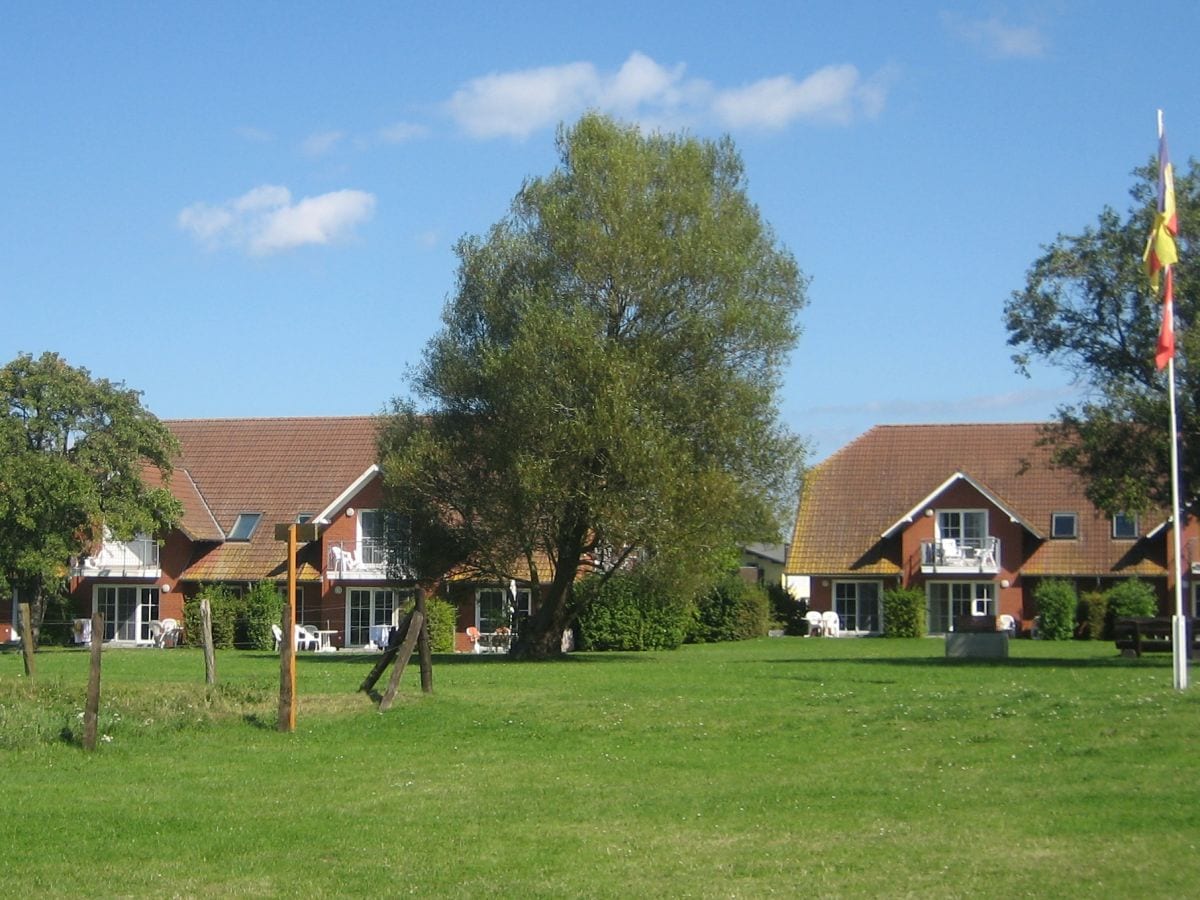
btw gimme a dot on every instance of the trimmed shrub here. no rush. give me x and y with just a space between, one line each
1056 601
1091 616
904 612
732 610
224 604
786 611
627 612
259 609
1128 598
442 617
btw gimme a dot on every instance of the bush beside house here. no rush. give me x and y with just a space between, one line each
627 612
904 612
1056 603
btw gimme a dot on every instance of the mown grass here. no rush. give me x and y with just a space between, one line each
781 766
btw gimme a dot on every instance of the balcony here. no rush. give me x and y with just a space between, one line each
125 559
364 560
979 556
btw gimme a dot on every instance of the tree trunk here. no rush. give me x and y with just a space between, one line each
541 636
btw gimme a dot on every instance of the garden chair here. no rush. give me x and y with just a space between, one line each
814 623
831 625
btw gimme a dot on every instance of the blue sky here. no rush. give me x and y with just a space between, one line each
249 209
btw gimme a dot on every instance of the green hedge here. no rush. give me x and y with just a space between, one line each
627 612
904 613
1056 602
1092 616
237 621
732 610
1128 598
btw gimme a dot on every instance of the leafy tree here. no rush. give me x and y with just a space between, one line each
73 450
605 380
1087 306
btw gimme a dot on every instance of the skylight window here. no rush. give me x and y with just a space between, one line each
244 526
1064 525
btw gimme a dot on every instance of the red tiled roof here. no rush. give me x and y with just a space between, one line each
279 468
850 499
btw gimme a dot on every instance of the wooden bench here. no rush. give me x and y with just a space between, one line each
1150 634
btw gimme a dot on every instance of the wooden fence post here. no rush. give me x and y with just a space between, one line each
91 710
27 638
423 644
210 658
416 627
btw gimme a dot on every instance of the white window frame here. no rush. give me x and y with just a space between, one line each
505 615
1133 519
133 629
856 617
958 532
359 635
981 595
1055 518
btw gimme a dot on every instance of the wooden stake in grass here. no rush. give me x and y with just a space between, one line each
287 647
389 654
210 658
27 638
91 709
415 627
426 652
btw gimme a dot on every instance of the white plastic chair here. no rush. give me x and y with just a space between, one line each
814 623
170 633
307 638
831 625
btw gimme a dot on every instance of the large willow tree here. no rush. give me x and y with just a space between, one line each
604 386
1088 307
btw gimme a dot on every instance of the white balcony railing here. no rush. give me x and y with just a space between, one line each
368 558
130 559
981 556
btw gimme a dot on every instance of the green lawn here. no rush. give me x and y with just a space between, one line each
780 766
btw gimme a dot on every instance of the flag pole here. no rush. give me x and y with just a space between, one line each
1160 255
1179 634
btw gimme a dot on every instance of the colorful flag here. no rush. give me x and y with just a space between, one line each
1166 333
1160 253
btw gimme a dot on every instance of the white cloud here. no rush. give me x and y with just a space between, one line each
515 104
997 38
402 132
265 220
322 142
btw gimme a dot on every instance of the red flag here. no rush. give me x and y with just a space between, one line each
1166 334
1160 253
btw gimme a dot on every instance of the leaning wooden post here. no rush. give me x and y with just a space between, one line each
91 710
423 644
210 658
416 627
287 647
27 638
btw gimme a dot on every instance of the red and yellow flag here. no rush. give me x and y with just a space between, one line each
1160 253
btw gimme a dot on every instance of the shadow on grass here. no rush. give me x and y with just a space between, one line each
1055 662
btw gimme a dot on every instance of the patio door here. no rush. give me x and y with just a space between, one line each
950 599
128 611
367 607
857 605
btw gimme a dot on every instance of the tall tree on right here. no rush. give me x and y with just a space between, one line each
1088 307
